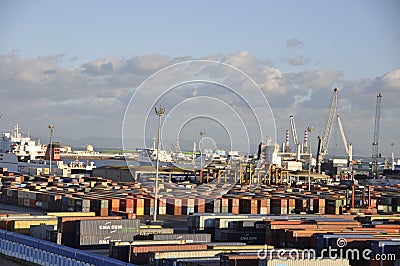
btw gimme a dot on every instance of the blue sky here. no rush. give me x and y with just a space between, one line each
359 37
297 50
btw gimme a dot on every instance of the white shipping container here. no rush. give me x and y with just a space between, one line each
339 162
292 165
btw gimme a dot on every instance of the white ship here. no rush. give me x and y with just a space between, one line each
149 157
21 154
169 158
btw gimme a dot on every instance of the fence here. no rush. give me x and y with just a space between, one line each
46 253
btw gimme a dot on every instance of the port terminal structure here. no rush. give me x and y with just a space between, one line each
235 173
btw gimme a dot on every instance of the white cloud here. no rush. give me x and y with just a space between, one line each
391 81
298 60
294 43
90 100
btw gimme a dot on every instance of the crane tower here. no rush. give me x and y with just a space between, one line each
323 141
375 151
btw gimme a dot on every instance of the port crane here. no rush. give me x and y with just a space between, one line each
323 141
375 151
295 139
347 146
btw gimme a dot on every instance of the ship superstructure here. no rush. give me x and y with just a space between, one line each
21 154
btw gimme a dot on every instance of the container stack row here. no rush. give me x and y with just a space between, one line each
106 197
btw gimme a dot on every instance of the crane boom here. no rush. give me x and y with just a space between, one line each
375 151
295 139
294 133
323 141
346 146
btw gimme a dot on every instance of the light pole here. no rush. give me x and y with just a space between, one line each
310 130
202 134
392 144
51 127
130 251
160 111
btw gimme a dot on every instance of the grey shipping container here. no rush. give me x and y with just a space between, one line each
108 227
156 231
249 237
103 239
194 238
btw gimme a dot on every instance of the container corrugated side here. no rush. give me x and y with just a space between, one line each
319 262
72 214
156 231
151 242
103 239
184 254
158 248
107 227
195 238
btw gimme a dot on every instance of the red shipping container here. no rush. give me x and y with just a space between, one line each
200 206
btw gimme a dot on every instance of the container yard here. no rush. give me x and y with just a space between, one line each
92 213
255 210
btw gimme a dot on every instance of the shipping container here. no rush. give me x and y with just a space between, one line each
239 260
155 258
248 237
107 227
103 239
190 238
71 214
301 262
156 231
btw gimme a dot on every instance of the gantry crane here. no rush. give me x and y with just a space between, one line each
375 151
347 146
323 141
295 139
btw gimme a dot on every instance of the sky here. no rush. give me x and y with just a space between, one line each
81 64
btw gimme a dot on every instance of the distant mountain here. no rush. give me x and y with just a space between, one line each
96 141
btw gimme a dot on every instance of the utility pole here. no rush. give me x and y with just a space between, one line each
51 127
160 112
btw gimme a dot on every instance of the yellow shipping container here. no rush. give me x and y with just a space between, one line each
139 210
23 226
150 226
244 247
71 214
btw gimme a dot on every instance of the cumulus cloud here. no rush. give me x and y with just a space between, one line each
90 100
391 81
298 60
314 79
294 43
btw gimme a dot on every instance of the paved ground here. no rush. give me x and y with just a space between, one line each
9 262
12 209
